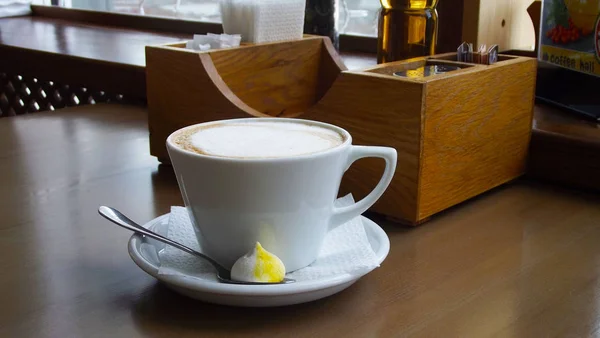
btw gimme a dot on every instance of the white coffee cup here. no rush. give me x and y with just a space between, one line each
286 203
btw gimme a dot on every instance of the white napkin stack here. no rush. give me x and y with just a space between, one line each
346 250
263 20
213 41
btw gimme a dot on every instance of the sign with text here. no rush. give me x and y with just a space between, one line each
570 34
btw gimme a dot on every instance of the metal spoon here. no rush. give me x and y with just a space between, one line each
223 274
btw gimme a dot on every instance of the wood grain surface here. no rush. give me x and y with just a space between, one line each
272 79
366 107
463 132
505 23
476 133
519 261
535 12
564 148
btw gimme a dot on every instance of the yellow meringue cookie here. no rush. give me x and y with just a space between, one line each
258 265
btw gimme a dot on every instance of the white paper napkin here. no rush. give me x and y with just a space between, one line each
263 20
346 249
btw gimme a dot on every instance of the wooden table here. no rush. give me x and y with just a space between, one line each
520 261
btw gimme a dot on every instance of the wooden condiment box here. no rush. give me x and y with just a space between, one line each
457 134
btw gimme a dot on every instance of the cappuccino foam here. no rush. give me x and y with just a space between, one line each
256 139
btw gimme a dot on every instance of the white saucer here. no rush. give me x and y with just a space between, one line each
144 252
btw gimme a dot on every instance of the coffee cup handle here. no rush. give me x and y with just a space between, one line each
342 215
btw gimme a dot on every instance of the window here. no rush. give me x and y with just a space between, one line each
355 17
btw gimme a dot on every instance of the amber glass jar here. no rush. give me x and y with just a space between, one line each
407 28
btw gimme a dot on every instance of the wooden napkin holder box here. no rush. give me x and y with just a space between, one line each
457 134
281 79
